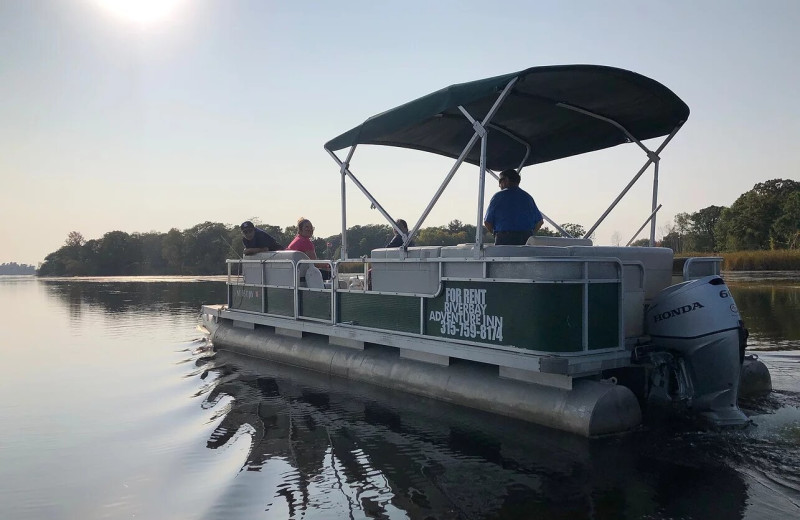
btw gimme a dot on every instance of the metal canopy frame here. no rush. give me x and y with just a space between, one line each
481 132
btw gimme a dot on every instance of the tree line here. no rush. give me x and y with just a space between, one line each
764 218
15 268
203 249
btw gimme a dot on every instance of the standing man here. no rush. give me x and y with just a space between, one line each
257 240
512 215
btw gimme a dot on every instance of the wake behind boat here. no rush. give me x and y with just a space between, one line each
558 331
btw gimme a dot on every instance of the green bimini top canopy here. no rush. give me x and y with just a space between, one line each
558 111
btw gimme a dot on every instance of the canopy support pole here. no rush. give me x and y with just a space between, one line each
375 204
607 120
515 138
444 184
464 153
481 191
653 214
344 168
564 232
651 158
655 203
480 128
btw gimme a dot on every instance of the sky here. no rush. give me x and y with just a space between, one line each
151 115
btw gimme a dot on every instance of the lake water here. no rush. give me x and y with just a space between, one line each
114 406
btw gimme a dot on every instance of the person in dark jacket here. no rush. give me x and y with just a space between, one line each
257 240
397 239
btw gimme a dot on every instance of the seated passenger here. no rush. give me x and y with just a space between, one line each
257 240
302 242
397 239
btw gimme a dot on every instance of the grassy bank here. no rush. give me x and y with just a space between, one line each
779 260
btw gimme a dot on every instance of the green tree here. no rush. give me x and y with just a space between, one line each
117 254
172 251
439 236
682 238
786 229
576 230
75 239
545 231
152 249
749 222
206 251
454 226
53 265
363 239
704 225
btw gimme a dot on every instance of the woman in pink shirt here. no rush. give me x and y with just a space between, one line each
302 242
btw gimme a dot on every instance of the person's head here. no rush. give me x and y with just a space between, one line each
248 229
509 178
402 225
304 227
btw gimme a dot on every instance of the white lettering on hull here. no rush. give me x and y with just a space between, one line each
464 316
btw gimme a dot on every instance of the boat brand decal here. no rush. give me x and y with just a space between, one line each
465 316
246 292
677 312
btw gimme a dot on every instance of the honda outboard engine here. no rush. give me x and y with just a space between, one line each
697 328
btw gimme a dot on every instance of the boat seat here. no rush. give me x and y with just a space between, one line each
468 251
275 273
657 263
526 251
406 277
558 241
313 277
461 269
499 269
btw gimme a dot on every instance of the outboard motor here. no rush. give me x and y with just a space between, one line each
697 322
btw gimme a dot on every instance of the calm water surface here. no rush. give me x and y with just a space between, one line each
115 407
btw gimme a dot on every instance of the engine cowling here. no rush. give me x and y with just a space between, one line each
698 322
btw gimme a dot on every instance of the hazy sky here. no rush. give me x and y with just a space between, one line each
218 110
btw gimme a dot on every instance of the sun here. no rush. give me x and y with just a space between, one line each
141 11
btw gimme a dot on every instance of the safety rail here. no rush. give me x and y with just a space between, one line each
308 304
486 308
698 267
685 269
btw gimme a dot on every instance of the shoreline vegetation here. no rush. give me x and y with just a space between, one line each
777 260
13 268
203 250
760 231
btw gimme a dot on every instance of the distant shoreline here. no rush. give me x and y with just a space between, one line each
773 260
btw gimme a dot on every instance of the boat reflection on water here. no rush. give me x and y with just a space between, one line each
392 455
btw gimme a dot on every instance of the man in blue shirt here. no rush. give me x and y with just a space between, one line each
257 240
512 214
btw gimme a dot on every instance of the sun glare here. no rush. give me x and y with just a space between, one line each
141 11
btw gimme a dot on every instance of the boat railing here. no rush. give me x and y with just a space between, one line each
249 288
314 303
513 288
693 268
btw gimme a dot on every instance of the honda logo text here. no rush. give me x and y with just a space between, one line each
677 312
